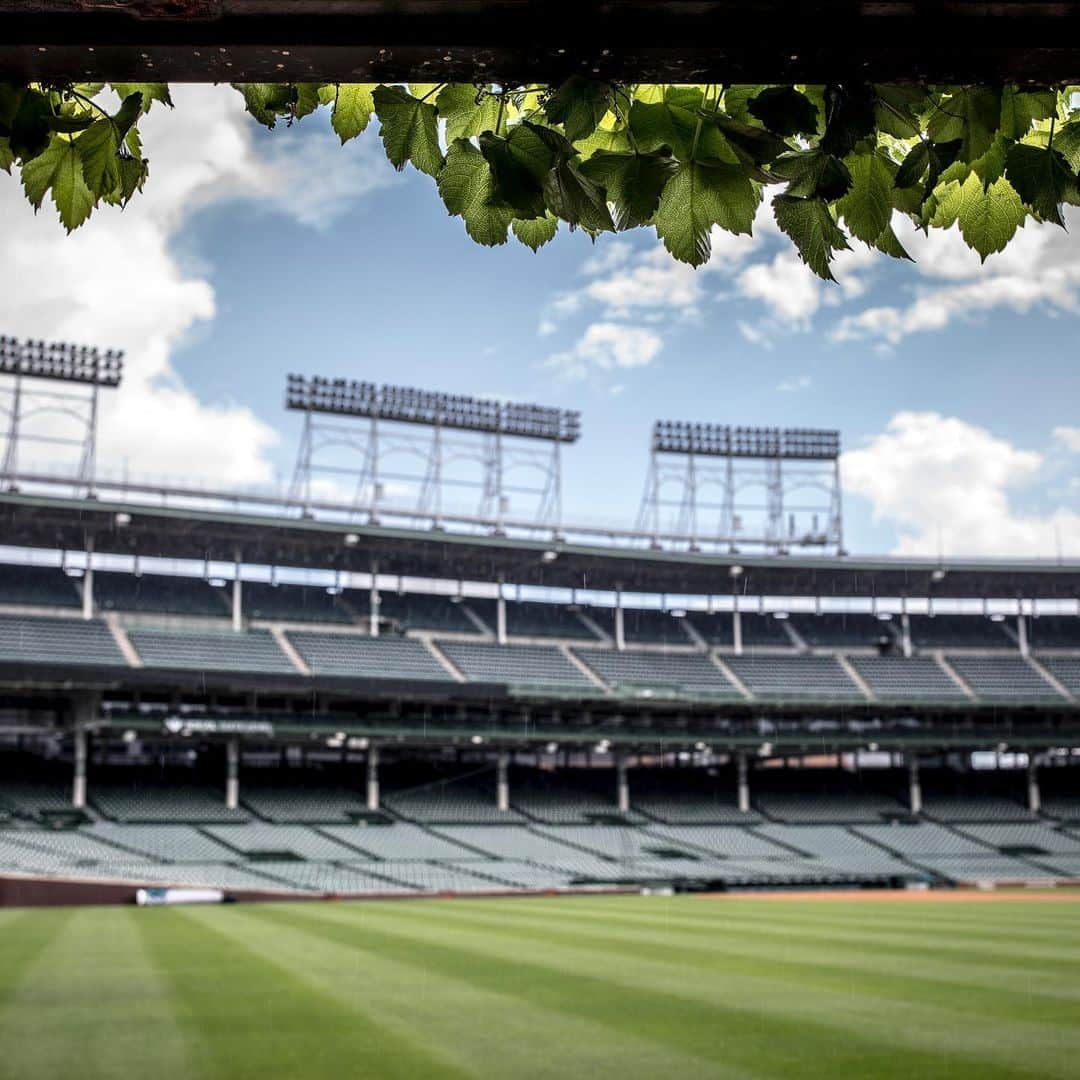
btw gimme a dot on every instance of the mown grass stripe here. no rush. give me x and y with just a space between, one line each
250 1016
664 1003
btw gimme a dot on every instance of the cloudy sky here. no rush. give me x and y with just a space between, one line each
253 254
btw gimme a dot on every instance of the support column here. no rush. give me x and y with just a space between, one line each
1034 795
232 774
736 631
237 597
502 782
373 778
88 582
500 615
374 601
622 784
78 785
1022 633
742 772
914 787
905 634
620 628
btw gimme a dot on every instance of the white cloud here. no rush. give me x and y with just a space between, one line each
118 282
1069 437
949 487
794 384
785 286
607 346
607 256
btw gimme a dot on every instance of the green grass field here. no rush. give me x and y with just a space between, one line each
591 987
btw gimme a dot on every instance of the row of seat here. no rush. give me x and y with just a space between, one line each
173 595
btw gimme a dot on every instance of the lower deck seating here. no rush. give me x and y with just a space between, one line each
303 803
973 808
922 839
257 838
38 640
838 847
818 807
35 799
224 650
1066 669
729 842
1036 837
987 868
163 802
401 842
451 803
358 657
161 843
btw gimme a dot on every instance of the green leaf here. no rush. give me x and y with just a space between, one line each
699 196
99 148
128 113
897 110
59 170
150 92
133 174
468 111
7 158
753 143
518 165
1067 143
26 118
971 115
633 183
812 230
536 232
849 117
888 243
1042 178
867 207
267 101
307 99
913 167
813 174
671 124
784 110
353 106
572 196
579 105
1019 111
409 129
989 217
467 188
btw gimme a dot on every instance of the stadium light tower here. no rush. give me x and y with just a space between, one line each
779 488
57 380
442 431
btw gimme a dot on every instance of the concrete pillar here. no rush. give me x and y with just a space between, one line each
500 616
237 599
905 634
1022 633
742 772
914 787
1034 795
622 784
736 631
78 786
373 778
502 782
620 626
374 602
88 582
232 774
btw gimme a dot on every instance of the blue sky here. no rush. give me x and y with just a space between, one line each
955 387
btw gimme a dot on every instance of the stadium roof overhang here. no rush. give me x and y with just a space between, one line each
166 532
749 41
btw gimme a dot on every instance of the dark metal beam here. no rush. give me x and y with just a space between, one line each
728 41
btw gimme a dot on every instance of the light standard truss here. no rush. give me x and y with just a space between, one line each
48 390
770 488
398 449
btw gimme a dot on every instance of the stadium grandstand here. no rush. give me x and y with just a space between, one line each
275 694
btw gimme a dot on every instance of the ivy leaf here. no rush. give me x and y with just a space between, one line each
1042 178
1020 110
1067 143
518 166
989 217
913 167
467 110
59 170
633 183
971 115
699 196
307 100
25 120
849 117
784 110
150 92
888 243
133 174
867 207
7 158
409 129
99 148
572 196
813 174
897 109
267 101
579 105
353 106
753 144
536 232
812 230
467 188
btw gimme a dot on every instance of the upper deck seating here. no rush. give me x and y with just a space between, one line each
568 797
958 632
973 807
642 626
416 611
794 678
1054 632
210 650
43 640
1066 669
689 673
450 802
522 665
37 586
894 678
291 603
157 802
361 657
159 594
811 807
1005 679
688 796
527 618
757 630
303 802
35 799
836 630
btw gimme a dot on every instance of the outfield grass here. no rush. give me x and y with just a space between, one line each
621 987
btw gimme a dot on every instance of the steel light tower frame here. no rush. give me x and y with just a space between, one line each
29 372
371 423
780 461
